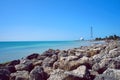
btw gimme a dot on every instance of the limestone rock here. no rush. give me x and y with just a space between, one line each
25 65
109 74
38 74
49 61
20 75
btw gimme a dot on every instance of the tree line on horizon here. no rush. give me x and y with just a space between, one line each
111 37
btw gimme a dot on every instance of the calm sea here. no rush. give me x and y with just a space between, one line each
16 50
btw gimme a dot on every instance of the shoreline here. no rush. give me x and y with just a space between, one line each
16 50
82 63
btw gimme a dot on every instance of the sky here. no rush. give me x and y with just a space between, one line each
44 20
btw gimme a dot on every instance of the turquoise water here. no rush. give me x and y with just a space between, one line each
16 50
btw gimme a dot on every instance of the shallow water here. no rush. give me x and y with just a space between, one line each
18 49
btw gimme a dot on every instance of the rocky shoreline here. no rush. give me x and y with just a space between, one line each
95 62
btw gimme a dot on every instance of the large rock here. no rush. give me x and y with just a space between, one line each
49 53
69 58
38 63
13 63
71 65
41 57
20 75
113 63
49 61
4 74
58 74
71 52
109 74
93 52
38 74
62 54
114 53
11 69
32 56
25 65
80 72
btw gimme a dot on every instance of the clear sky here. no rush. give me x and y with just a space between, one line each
58 19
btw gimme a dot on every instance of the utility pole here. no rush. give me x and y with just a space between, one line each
91 32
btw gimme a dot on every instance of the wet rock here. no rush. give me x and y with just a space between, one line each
13 63
25 65
32 56
4 74
20 75
109 74
38 74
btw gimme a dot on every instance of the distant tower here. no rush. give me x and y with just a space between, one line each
91 32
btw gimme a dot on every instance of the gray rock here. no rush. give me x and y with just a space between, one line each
49 61
69 58
32 56
78 74
72 64
24 65
81 72
109 74
20 75
114 53
71 52
13 63
38 74
4 74
40 57
58 74
62 54
11 69
49 53
38 63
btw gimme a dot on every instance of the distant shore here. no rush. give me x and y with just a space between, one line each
84 63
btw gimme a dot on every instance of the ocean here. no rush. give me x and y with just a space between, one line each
19 49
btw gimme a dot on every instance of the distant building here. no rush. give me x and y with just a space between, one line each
81 38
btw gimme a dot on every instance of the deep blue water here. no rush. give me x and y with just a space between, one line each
16 50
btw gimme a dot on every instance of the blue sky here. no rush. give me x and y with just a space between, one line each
58 19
